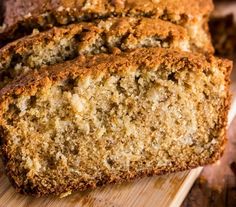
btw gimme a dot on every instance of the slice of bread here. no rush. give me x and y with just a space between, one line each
23 16
59 44
111 118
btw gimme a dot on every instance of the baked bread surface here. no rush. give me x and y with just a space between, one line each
111 118
65 43
23 16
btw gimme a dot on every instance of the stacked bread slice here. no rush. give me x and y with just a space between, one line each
106 91
60 44
22 16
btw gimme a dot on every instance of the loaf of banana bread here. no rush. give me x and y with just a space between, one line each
22 16
105 119
64 43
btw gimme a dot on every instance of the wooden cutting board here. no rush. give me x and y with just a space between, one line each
169 190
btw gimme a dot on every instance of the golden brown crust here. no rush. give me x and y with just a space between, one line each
125 33
17 10
134 29
101 62
227 67
22 16
107 179
98 63
35 80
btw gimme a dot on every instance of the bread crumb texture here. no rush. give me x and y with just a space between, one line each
147 112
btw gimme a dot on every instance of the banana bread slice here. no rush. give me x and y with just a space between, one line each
111 118
64 43
22 16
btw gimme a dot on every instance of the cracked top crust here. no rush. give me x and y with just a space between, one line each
64 43
149 57
17 10
23 16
